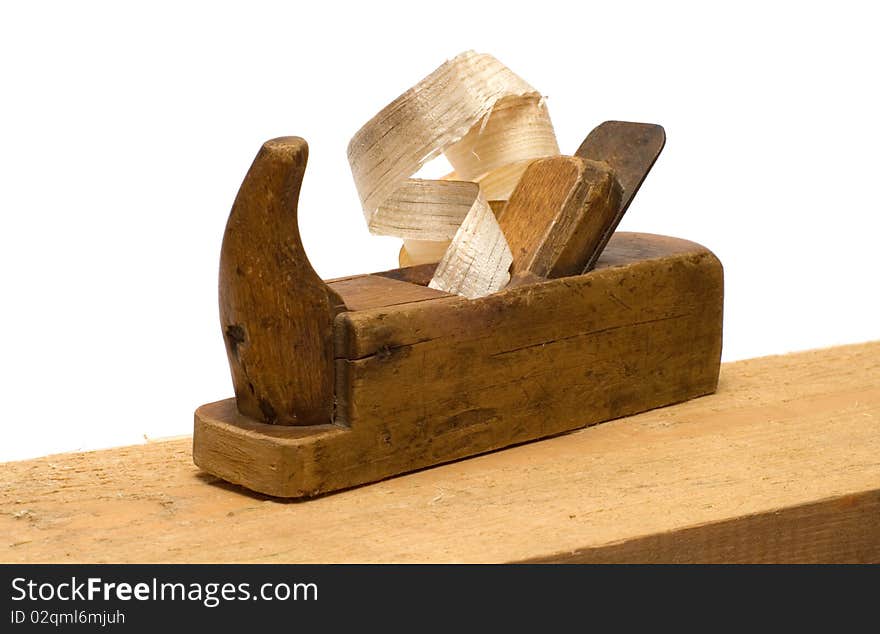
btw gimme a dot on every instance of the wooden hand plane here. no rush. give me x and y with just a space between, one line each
353 380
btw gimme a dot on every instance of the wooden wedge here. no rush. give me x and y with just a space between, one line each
556 216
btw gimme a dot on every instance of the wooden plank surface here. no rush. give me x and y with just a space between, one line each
375 291
782 464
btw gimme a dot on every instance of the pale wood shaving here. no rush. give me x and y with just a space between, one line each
422 252
517 129
491 124
426 209
500 183
478 260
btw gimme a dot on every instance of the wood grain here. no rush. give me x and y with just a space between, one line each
630 149
472 107
282 373
418 274
430 381
489 123
477 261
363 292
780 465
557 215
420 252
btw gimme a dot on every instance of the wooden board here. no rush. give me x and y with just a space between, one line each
781 464
363 292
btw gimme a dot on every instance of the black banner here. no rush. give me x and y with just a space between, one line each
232 597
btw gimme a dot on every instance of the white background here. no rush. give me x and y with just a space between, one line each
125 132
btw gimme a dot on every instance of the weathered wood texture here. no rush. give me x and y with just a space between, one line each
282 373
558 214
427 382
362 292
622 249
417 274
630 149
780 465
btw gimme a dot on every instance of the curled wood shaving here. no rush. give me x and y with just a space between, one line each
425 209
490 124
478 260
500 183
422 252
517 129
